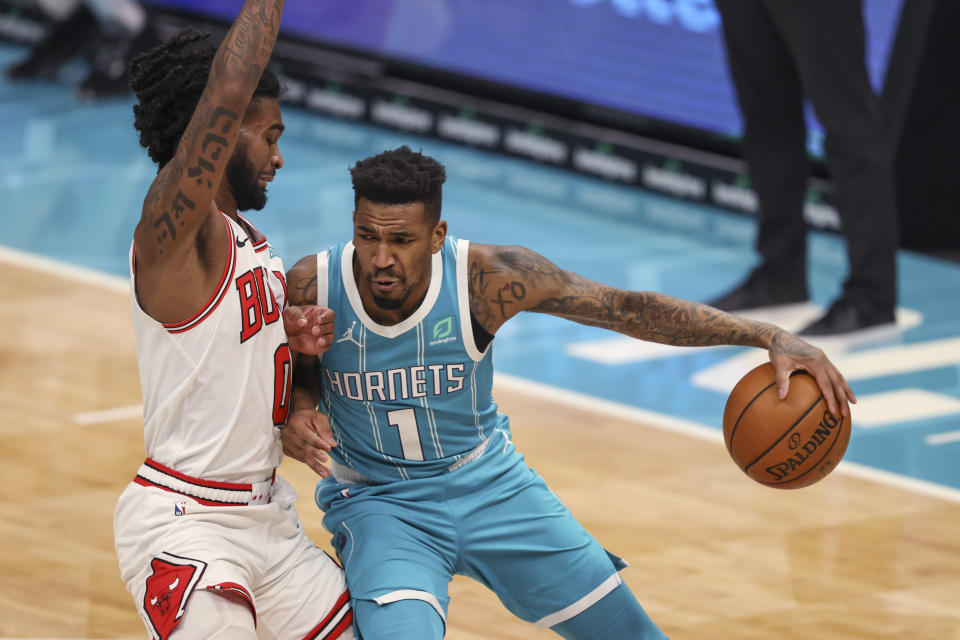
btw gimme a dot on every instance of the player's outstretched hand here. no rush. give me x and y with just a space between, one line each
309 328
788 353
306 437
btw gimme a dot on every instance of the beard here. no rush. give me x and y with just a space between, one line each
242 178
391 303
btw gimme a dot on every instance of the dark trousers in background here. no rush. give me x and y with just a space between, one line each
779 52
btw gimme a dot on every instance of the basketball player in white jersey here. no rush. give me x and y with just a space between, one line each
208 540
425 480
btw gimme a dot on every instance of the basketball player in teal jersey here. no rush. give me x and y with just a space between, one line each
424 481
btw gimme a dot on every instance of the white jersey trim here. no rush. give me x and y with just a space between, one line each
323 278
463 301
582 604
226 279
412 594
391 331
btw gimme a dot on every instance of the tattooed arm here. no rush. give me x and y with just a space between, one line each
309 327
506 280
306 436
176 270
302 288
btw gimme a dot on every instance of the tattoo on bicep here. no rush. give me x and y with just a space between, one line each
515 292
165 229
497 294
307 290
166 225
478 279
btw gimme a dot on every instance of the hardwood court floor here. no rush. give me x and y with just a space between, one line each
713 555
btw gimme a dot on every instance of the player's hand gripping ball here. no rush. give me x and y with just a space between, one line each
789 443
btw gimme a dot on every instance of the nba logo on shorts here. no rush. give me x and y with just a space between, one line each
180 509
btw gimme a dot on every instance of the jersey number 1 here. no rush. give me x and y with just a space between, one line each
405 420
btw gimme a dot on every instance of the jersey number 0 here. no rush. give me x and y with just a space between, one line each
282 384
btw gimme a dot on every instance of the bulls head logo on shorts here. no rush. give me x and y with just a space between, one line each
162 601
168 588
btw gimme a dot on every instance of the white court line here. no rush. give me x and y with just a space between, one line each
610 408
80 275
935 439
547 392
902 405
64 270
696 430
108 415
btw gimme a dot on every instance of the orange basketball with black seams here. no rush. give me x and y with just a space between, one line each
789 443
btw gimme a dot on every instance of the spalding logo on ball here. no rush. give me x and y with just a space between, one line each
789 443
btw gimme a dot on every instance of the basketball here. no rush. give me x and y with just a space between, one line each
789 443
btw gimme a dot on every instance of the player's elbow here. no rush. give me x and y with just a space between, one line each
233 93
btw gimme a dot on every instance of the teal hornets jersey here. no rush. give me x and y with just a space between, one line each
408 400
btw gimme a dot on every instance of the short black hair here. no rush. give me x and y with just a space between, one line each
401 176
168 82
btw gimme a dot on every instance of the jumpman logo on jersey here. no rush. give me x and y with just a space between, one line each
348 335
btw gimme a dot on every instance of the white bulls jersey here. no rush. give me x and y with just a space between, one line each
217 385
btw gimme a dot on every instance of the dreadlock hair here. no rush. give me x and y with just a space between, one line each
168 82
400 177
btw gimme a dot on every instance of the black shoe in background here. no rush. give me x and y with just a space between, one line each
109 71
846 315
73 36
758 291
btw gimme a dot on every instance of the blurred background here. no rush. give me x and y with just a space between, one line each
604 134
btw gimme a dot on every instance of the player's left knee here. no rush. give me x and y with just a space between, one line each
617 615
400 619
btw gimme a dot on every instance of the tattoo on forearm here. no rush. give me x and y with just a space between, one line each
527 280
229 116
203 147
790 345
250 41
644 315
205 161
655 317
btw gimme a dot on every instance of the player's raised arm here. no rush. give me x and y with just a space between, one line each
180 202
505 280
